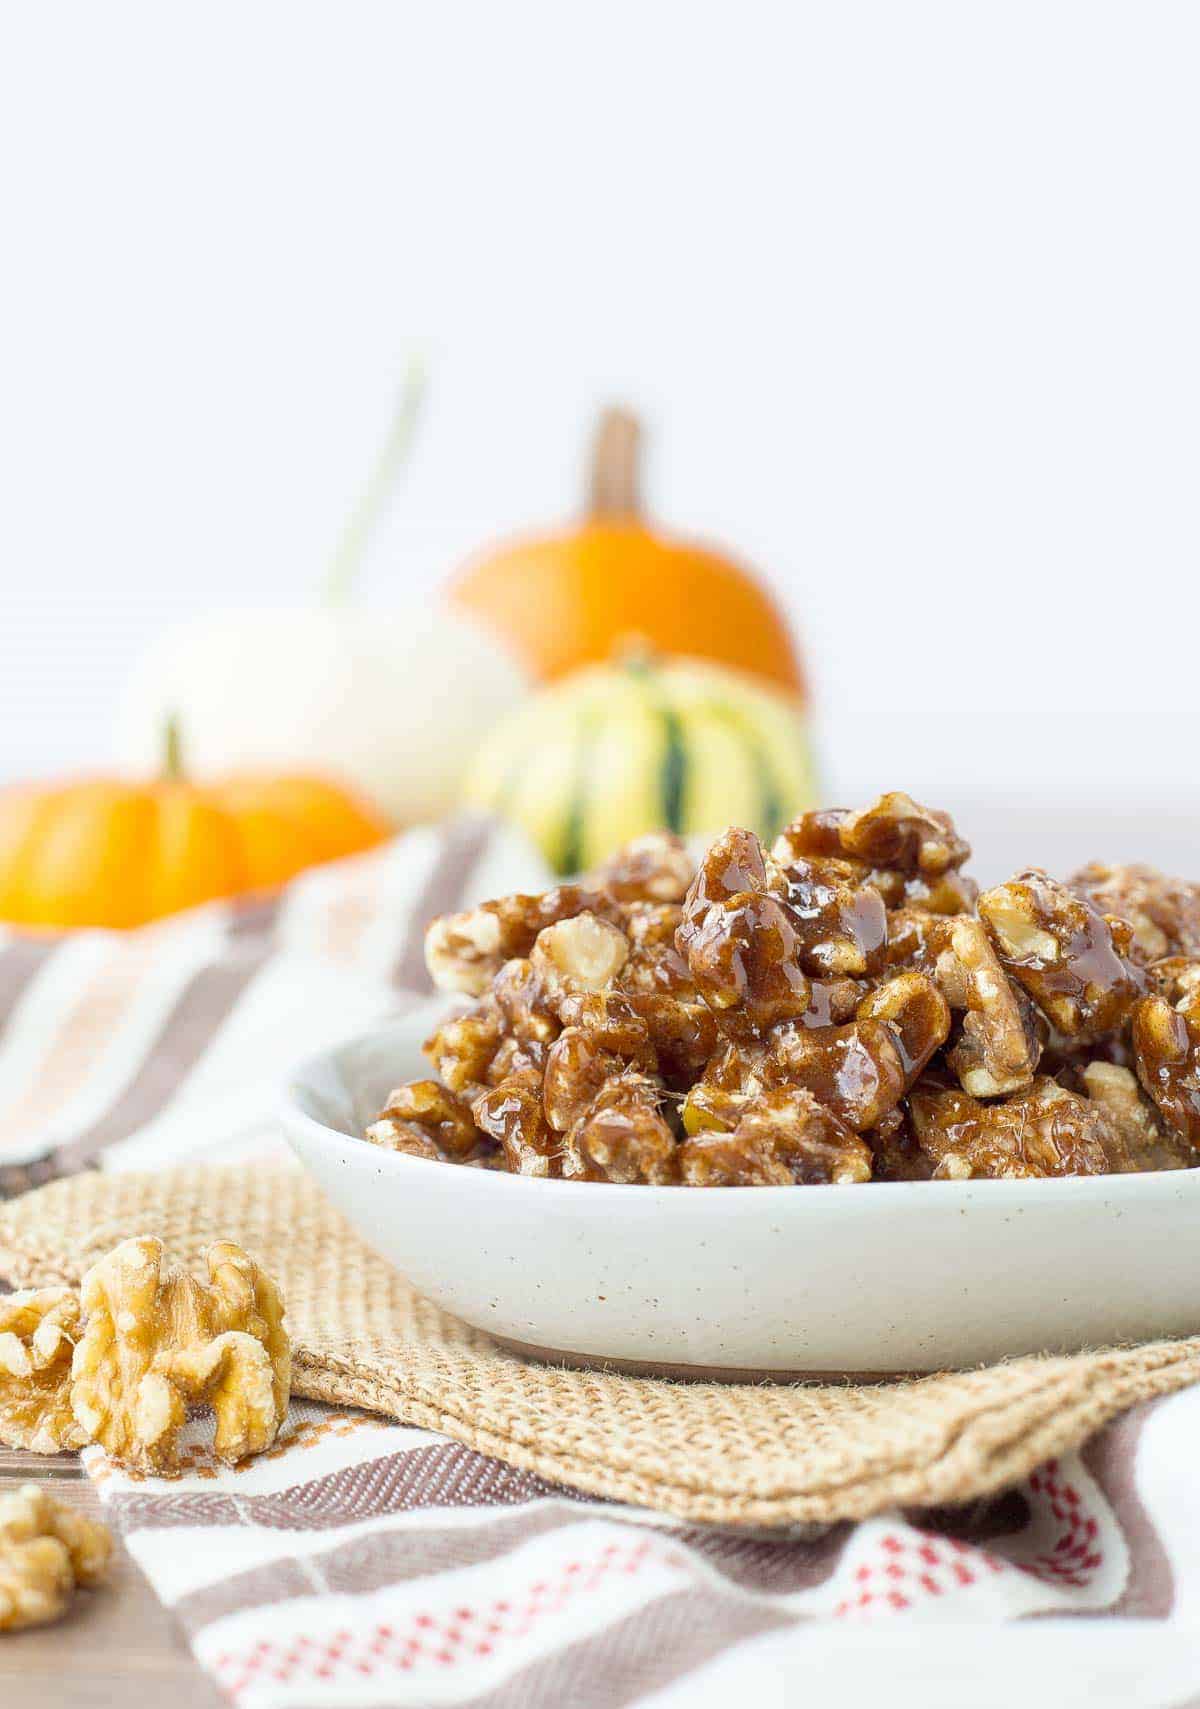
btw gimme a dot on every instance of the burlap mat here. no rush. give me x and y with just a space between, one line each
745 1454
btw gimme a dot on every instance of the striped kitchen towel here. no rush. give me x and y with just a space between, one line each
361 1563
138 1049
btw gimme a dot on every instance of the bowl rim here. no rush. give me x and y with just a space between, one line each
1080 1188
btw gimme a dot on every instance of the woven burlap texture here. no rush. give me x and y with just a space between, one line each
734 1454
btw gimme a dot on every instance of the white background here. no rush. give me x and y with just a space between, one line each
907 293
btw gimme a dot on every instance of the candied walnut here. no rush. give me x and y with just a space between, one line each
516 1059
1176 977
526 1011
910 854
857 1070
814 840
997 1047
833 1001
861 1070
732 1078
410 1141
914 937
38 1331
658 985
423 1119
622 1136
896 833
948 893
463 952
47 1548
157 1340
783 1138
1166 1053
653 868
815 833
840 909
1041 1131
584 953
512 1115
741 941
605 1036
917 1014
1072 960
464 1048
577 1070
744 960
654 963
1116 1090
898 1156
683 1030
840 921
612 1020
1163 912
734 866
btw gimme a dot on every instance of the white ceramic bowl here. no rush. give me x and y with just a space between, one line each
771 1280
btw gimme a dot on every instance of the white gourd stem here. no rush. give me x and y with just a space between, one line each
393 456
172 749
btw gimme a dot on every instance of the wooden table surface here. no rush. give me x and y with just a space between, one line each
118 1645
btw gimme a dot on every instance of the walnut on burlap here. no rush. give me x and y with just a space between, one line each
734 1454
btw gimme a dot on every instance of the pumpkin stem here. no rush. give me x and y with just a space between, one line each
393 456
634 653
615 459
172 749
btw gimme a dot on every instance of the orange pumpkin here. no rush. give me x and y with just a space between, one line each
576 597
101 852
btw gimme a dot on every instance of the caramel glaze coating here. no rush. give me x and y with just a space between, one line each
513 1117
783 1138
1163 912
755 934
842 1008
743 957
910 854
1072 960
426 1119
605 1036
622 1136
841 923
1044 1130
1166 1051
653 869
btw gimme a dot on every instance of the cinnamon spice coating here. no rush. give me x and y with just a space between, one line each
841 1008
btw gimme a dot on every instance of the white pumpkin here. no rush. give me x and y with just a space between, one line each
394 703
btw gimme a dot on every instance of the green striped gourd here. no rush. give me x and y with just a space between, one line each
615 750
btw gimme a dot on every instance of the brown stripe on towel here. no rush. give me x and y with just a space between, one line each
81 1038
672 1636
20 962
194 1021
255 916
440 1475
1112 1457
378 1558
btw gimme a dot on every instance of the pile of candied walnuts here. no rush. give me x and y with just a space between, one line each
845 1007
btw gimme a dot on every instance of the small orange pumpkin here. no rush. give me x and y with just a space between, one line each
102 852
575 597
